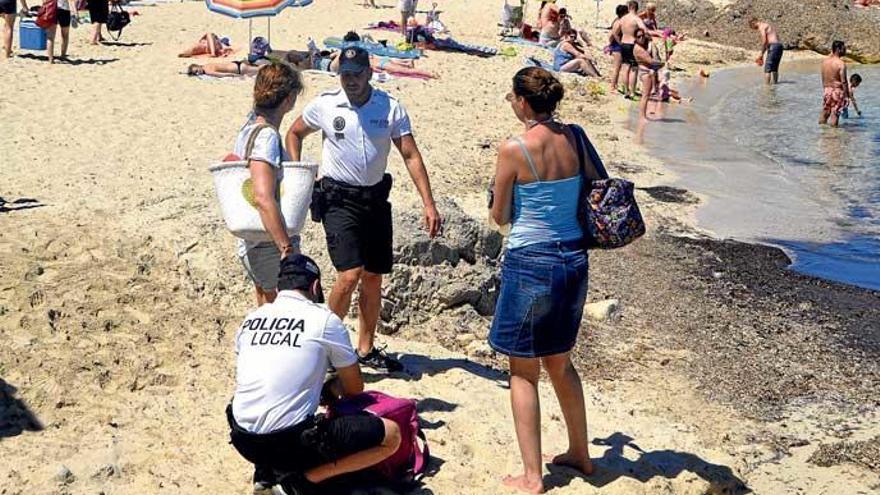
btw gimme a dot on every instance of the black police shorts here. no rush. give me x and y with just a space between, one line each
288 450
359 234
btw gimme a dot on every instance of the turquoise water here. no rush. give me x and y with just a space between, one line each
771 174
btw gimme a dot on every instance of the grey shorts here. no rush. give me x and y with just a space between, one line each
263 261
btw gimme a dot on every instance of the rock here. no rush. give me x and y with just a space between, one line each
64 475
106 471
808 24
602 310
479 348
433 276
465 338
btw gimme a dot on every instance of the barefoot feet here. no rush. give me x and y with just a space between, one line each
524 484
579 463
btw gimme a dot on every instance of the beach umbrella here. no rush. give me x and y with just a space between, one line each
248 9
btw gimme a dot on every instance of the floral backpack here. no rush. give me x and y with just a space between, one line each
607 209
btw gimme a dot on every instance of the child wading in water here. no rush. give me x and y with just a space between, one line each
854 81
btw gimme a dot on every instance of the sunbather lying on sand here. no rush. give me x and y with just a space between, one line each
223 69
328 61
866 3
209 44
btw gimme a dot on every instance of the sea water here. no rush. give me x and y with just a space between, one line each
772 174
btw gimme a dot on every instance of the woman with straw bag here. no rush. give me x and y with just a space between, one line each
259 143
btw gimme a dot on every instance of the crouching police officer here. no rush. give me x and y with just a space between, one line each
283 351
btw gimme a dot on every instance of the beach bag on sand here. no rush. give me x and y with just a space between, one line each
117 19
411 459
235 192
47 15
607 210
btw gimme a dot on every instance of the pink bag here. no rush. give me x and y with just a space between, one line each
411 459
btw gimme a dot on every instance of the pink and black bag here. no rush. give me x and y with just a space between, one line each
411 459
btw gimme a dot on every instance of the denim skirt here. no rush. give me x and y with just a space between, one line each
539 309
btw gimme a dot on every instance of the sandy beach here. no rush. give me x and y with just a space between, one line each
721 373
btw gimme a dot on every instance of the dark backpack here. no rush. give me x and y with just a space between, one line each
117 19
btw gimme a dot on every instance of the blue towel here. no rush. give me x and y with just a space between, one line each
373 48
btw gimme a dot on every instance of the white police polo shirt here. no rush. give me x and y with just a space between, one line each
283 350
357 140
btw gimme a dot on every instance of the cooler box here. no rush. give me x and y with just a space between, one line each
31 36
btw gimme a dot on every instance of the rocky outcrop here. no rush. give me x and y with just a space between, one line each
803 24
453 275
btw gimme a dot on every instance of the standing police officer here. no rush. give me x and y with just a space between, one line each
359 123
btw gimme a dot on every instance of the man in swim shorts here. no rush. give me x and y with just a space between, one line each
835 86
625 31
772 46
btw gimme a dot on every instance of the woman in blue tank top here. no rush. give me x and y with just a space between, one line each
544 273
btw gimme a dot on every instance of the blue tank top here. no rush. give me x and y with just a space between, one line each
544 211
561 57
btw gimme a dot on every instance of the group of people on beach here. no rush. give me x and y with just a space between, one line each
838 89
636 56
67 15
285 347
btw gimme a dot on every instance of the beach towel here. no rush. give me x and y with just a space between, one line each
451 45
536 62
373 48
522 41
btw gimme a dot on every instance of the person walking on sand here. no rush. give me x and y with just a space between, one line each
544 273
283 351
407 10
66 9
275 92
7 11
359 124
99 10
625 31
770 45
648 57
834 83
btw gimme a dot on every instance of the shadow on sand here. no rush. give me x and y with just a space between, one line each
15 417
663 463
69 61
19 204
416 365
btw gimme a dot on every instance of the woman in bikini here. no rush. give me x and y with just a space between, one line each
648 57
223 69
209 44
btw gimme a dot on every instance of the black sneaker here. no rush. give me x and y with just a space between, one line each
264 480
295 484
378 359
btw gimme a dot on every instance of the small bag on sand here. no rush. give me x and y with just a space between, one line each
235 192
607 210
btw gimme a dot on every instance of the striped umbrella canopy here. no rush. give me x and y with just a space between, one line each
245 9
